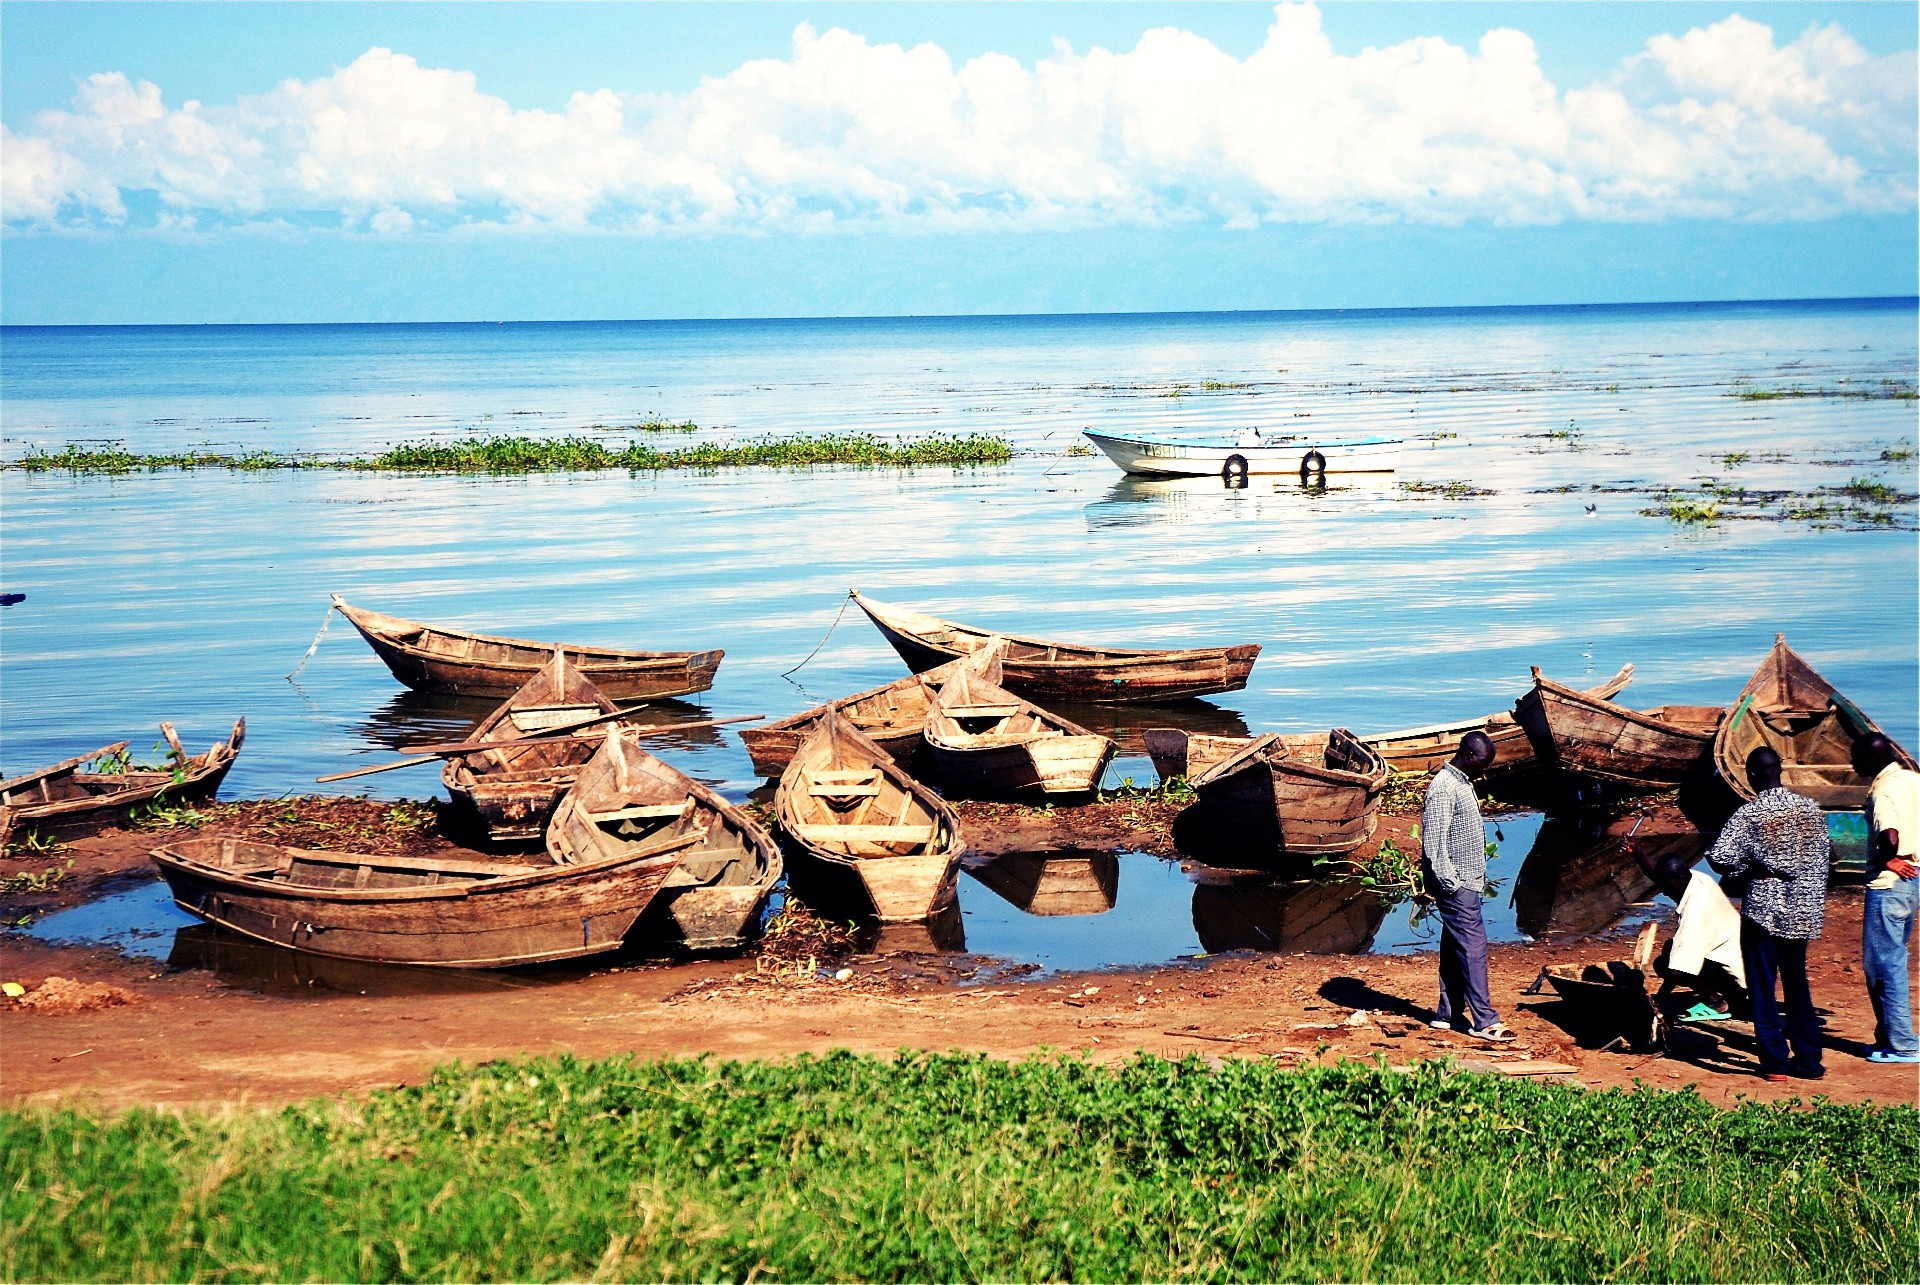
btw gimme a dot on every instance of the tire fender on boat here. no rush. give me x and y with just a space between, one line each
1234 471
1313 464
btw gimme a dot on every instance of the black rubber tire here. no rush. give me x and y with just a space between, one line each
1313 464
1234 471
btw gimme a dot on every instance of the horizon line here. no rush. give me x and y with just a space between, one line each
1117 314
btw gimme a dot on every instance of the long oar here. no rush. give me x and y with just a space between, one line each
468 747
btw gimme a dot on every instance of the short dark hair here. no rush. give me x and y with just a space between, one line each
1672 869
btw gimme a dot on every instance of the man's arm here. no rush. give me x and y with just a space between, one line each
1436 827
1730 853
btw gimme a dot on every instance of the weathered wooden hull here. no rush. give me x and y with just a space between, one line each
1042 670
523 918
1788 707
724 871
120 794
513 812
1428 749
892 716
1637 750
1063 765
858 827
1579 878
1282 787
498 666
1053 883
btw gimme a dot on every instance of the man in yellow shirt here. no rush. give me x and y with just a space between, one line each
1893 894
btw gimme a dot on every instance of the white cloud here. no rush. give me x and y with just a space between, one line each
1722 121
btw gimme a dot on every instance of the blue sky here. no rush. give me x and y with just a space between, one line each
323 162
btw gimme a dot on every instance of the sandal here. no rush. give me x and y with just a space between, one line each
1704 1013
1495 1034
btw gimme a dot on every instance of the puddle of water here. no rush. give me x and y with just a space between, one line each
139 921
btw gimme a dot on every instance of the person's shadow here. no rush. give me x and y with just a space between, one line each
1351 992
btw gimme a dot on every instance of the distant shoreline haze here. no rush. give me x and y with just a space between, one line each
1198 316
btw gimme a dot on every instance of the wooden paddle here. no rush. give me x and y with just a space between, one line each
434 752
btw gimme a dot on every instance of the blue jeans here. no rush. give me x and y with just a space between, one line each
1463 958
1781 960
1883 953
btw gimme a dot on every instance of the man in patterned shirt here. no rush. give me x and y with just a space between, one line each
1453 859
1775 850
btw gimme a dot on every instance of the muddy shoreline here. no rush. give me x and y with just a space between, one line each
185 1037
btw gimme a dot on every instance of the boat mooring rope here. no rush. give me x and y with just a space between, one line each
324 622
784 673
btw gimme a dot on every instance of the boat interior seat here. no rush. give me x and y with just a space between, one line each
1005 710
636 812
869 833
707 867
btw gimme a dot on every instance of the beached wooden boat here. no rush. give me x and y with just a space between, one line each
988 742
1053 883
447 912
862 830
892 717
1428 749
469 664
67 800
512 791
724 865
1592 737
1314 794
1045 670
1313 917
1790 708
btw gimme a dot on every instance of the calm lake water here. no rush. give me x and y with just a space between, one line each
191 596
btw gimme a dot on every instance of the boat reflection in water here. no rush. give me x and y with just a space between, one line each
427 718
944 933
1127 725
1053 883
1143 501
1578 878
1314 917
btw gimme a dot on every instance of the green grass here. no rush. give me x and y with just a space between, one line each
963 1168
563 454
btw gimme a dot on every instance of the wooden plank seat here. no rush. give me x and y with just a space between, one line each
422 865
636 812
1007 710
701 868
869 833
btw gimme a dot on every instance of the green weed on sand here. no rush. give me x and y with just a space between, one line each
960 1167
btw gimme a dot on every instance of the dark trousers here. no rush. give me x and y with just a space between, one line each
1767 958
1463 959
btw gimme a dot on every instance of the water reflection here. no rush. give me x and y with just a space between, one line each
1578 878
945 933
256 965
425 718
1053 883
1128 725
1324 917
1143 501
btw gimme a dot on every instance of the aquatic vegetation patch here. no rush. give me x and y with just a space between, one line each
1884 390
1456 489
1903 451
556 455
962 1167
1862 504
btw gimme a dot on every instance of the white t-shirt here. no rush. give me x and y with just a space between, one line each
1709 928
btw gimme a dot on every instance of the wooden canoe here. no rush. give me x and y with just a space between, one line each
1053 883
67 801
892 717
1610 1001
1314 917
988 742
1591 737
1316 794
858 823
1041 669
1790 708
512 791
725 865
449 913
469 664
1428 749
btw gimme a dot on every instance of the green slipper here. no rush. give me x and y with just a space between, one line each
1704 1013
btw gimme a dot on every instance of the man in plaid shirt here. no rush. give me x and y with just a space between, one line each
1775 851
1453 860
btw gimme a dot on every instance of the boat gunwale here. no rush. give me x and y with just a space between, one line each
1292 442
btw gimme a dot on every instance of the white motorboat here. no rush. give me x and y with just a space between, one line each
1289 453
